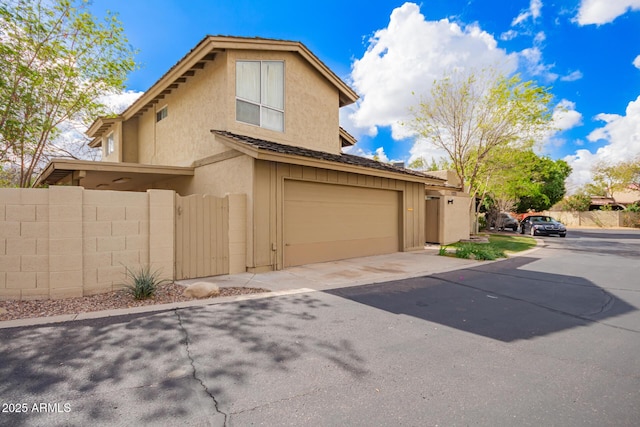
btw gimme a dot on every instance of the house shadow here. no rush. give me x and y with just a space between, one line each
486 301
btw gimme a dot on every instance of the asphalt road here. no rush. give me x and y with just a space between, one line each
552 338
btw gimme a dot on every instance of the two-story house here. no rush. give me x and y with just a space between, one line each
259 117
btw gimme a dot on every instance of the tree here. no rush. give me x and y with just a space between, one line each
421 164
611 178
579 202
57 60
472 115
546 184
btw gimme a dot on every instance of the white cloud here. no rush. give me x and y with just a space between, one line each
572 77
533 12
72 142
604 11
565 115
636 62
509 35
119 101
408 56
532 60
423 149
622 134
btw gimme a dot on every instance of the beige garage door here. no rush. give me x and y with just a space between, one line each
326 222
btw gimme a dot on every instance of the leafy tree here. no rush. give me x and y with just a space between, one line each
421 164
57 60
579 202
546 184
475 114
610 178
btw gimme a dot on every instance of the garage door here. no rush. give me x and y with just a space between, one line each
326 222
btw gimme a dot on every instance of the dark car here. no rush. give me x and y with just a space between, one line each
542 225
505 221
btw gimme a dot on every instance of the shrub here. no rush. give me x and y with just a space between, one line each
144 282
479 251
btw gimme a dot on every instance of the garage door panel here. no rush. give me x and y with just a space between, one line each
324 222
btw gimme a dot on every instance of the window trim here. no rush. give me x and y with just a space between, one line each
261 105
110 143
162 113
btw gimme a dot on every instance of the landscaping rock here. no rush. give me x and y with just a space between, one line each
202 290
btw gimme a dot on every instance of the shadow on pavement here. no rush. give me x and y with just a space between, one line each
486 301
162 368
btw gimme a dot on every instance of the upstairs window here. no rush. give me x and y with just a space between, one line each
260 93
109 144
161 114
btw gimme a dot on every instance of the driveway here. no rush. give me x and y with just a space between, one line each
549 338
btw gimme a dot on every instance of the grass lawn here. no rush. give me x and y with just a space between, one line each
497 247
515 243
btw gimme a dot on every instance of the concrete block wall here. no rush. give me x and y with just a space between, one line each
67 242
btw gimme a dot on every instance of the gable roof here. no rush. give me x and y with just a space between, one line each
253 147
205 51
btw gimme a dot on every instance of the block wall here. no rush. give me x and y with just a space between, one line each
65 242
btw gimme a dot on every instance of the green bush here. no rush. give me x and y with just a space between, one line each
144 282
479 251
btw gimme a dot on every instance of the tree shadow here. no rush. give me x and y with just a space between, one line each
486 301
168 367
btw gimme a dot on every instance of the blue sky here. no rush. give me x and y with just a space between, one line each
588 51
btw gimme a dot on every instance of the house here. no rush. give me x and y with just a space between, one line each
260 117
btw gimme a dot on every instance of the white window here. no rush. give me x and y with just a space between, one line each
109 145
161 114
260 93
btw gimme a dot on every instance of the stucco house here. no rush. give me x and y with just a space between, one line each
260 117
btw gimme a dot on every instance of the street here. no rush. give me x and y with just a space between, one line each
548 338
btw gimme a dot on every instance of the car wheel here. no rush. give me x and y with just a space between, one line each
563 234
522 230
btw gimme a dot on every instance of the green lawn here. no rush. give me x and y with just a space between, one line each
515 243
497 247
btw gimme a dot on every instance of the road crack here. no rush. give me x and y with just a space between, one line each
194 372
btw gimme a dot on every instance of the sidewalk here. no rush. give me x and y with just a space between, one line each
302 279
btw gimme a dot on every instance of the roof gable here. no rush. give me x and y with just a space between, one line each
206 50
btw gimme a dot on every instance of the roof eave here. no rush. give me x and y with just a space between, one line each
261 154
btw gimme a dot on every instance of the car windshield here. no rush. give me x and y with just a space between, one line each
542 219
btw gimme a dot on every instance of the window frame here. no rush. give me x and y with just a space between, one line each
262 105
162 113
110 143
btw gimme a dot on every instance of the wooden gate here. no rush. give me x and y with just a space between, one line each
202 236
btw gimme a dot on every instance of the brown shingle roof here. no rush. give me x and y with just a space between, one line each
344 158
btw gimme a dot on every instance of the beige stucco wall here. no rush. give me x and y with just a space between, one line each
193 109
116 155
267 244
206 101
454 215
129 144
66 242
311 104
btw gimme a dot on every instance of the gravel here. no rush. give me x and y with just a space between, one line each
166 293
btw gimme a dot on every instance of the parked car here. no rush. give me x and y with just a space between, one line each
506 222
542 225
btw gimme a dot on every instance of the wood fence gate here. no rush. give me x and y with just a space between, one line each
202 236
